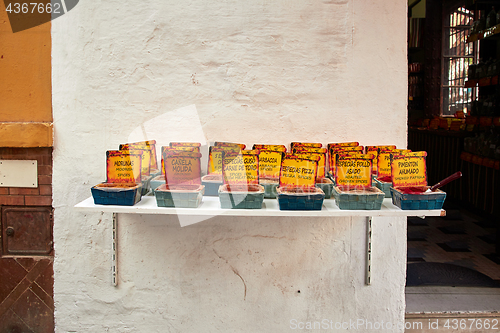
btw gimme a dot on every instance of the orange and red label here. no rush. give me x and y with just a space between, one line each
369 149
280 148
195 146
305 144
375 150
241 146
215 157
298 171
241 168
178 148
409 169
149 145
270 163
315 152
342 144
354 170
341 150
146 159
174 148
182 167
384 161
123 167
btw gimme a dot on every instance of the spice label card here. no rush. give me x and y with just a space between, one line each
122 167
146 159
305 144
241 168
215 156
241 146
182 167
178 148
298 171
280 148
147 146
154 161
193 146
409 169
384 161
341 150
270 163
369 149
342 144
175 148
375 150
375 160
318 152
354 170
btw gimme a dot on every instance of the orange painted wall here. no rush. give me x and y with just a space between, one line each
25 73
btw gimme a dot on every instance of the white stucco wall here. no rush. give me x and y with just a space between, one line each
245 71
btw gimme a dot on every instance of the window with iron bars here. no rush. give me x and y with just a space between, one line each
457 56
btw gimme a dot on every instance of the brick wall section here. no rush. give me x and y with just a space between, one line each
21 196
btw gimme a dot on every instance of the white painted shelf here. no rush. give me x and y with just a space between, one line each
210 206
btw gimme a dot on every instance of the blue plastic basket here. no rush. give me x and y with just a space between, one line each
297 200
116 194
362 199
423 201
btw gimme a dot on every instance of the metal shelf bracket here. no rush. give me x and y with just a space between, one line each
368 276
114 252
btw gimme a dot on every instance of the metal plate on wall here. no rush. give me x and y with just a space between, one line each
27 230
18 173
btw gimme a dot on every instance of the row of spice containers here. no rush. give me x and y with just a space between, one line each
483 69
485 143
486 20
487 105
300 179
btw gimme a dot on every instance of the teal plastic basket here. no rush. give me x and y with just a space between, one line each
384 187
370 198
146 181
212 184
300 199
423 201
179 196
240 198
116 194
270 186
156 182
154 173
326 184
